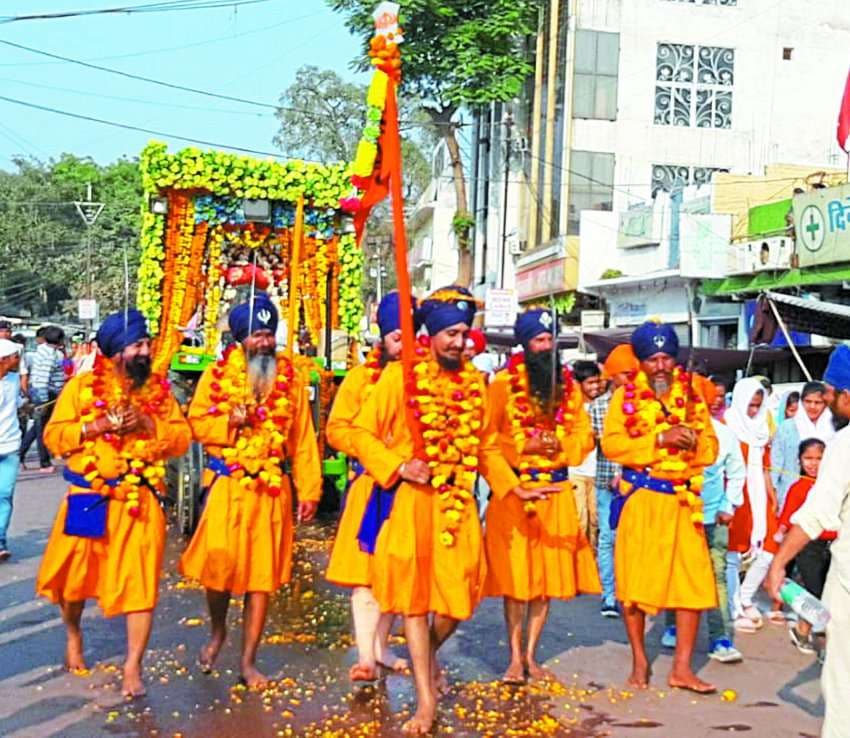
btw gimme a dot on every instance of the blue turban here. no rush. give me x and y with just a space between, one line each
119 330
389 313
531 324
446 307
838 369
655 338
246 318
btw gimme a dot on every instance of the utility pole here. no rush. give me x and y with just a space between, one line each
88 211
509 123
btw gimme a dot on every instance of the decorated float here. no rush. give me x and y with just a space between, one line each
218 226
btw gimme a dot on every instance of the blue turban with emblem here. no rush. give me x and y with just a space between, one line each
446 307
119 330
531 324
838 369
389 314
257 315
655 338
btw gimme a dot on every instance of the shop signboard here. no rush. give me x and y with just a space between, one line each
500 308
822 225
540 280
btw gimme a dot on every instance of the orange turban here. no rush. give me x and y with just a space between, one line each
705 388
621 359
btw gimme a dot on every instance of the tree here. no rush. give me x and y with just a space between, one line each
456 52
321 117
43 238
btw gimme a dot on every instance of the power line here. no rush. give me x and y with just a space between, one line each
139 129
159 7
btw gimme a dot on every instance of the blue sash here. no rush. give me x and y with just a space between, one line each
638 480
217 466
78 480
558 475
377 511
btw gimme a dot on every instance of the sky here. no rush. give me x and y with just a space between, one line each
250 52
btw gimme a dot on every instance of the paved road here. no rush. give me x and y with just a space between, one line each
308 650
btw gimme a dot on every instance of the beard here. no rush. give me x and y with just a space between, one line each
660 385
449 363
839 421
138 370
262 372
539 368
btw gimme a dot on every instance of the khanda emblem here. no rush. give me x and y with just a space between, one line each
659 341
264 316
546 320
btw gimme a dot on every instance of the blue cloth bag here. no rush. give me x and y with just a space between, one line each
86 515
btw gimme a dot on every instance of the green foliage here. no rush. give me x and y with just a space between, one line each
462 223
321 117
611 274
565 304
456 51
43 238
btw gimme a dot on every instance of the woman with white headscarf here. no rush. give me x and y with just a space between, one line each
755 520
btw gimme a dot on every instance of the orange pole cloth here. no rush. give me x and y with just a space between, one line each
294 276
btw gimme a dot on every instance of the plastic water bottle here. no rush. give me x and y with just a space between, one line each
805 604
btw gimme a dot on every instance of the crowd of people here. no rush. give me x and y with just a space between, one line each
634 481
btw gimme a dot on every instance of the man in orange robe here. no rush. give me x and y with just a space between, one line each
428 555
251 411
540 554
115 426
350 559
658 429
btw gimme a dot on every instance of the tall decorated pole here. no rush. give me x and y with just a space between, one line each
377 169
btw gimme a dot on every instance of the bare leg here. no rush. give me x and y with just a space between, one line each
538 611
635 622
138 632
217 602
384 655
419 643
254 620
514 614
72 613
366 614
682 676
441 630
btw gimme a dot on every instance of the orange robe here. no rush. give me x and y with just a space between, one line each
413 573
122 569
545 554
245 538
348 565
661 558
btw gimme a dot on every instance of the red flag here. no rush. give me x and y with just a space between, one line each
844 118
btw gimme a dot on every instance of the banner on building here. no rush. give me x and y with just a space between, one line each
500 308
822 225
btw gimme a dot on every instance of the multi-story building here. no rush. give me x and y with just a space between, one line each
646 96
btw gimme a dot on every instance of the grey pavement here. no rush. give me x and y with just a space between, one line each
308 650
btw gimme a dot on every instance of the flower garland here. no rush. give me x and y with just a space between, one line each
151 273
142 463
255 459
449 407
536 470
350 308
646 415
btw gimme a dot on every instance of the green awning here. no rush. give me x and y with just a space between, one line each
777 280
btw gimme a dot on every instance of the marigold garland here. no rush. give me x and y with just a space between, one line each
449 407
256 457
645 414
536 470
142 460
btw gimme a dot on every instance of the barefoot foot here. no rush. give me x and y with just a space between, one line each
538 673
253 678
639 678
132 686
686 679
515 673
422 720
209 652
439 682
74 661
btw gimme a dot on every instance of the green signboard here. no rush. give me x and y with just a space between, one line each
822 223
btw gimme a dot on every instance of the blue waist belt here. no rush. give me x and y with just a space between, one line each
357 469
378 509
218 466
78 480
558 475
638 480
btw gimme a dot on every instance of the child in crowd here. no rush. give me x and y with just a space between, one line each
813 560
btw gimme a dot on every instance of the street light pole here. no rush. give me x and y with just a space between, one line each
89 211
509 122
